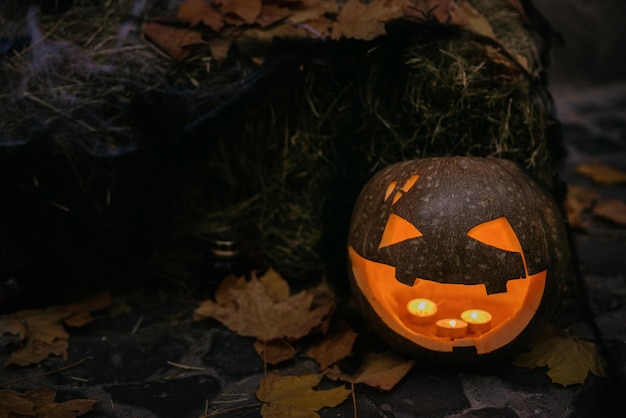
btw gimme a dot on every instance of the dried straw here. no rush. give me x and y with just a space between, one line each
273 154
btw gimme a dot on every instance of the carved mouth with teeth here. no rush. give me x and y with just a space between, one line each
512 310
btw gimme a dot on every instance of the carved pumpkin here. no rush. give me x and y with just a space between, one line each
456 255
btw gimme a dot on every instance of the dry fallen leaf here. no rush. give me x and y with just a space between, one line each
253 21
476 21
276 351
219 48
334 346
80 312
12 402
613 210
358 20
293 396
248 10
313 10
379 370
42 331
35 351
569 359
201 11
601 174
177 42
262 309
41 403
579 201
272 13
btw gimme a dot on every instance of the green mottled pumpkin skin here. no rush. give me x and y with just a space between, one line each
451 195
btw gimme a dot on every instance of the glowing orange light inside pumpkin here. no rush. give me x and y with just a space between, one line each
511 310
422 310
478 320
451 328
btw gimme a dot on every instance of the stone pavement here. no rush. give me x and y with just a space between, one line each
123 359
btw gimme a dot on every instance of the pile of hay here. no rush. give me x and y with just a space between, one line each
181 154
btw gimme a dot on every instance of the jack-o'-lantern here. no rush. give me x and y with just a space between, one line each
458 258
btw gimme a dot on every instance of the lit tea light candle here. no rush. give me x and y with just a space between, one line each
479 321
451 328
422 311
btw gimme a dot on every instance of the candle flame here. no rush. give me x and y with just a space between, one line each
421 306
474 315
452 323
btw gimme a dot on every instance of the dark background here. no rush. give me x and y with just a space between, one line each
594 34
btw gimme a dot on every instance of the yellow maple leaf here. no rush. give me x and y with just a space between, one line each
568 359
262 308
294 396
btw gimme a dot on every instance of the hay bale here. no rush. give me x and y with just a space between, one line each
271 153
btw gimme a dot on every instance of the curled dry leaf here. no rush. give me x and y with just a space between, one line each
569 360
613 210
601 173
379 370
294 396
262 308
41 403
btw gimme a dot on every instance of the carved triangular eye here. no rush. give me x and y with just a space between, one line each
498 233
397 230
